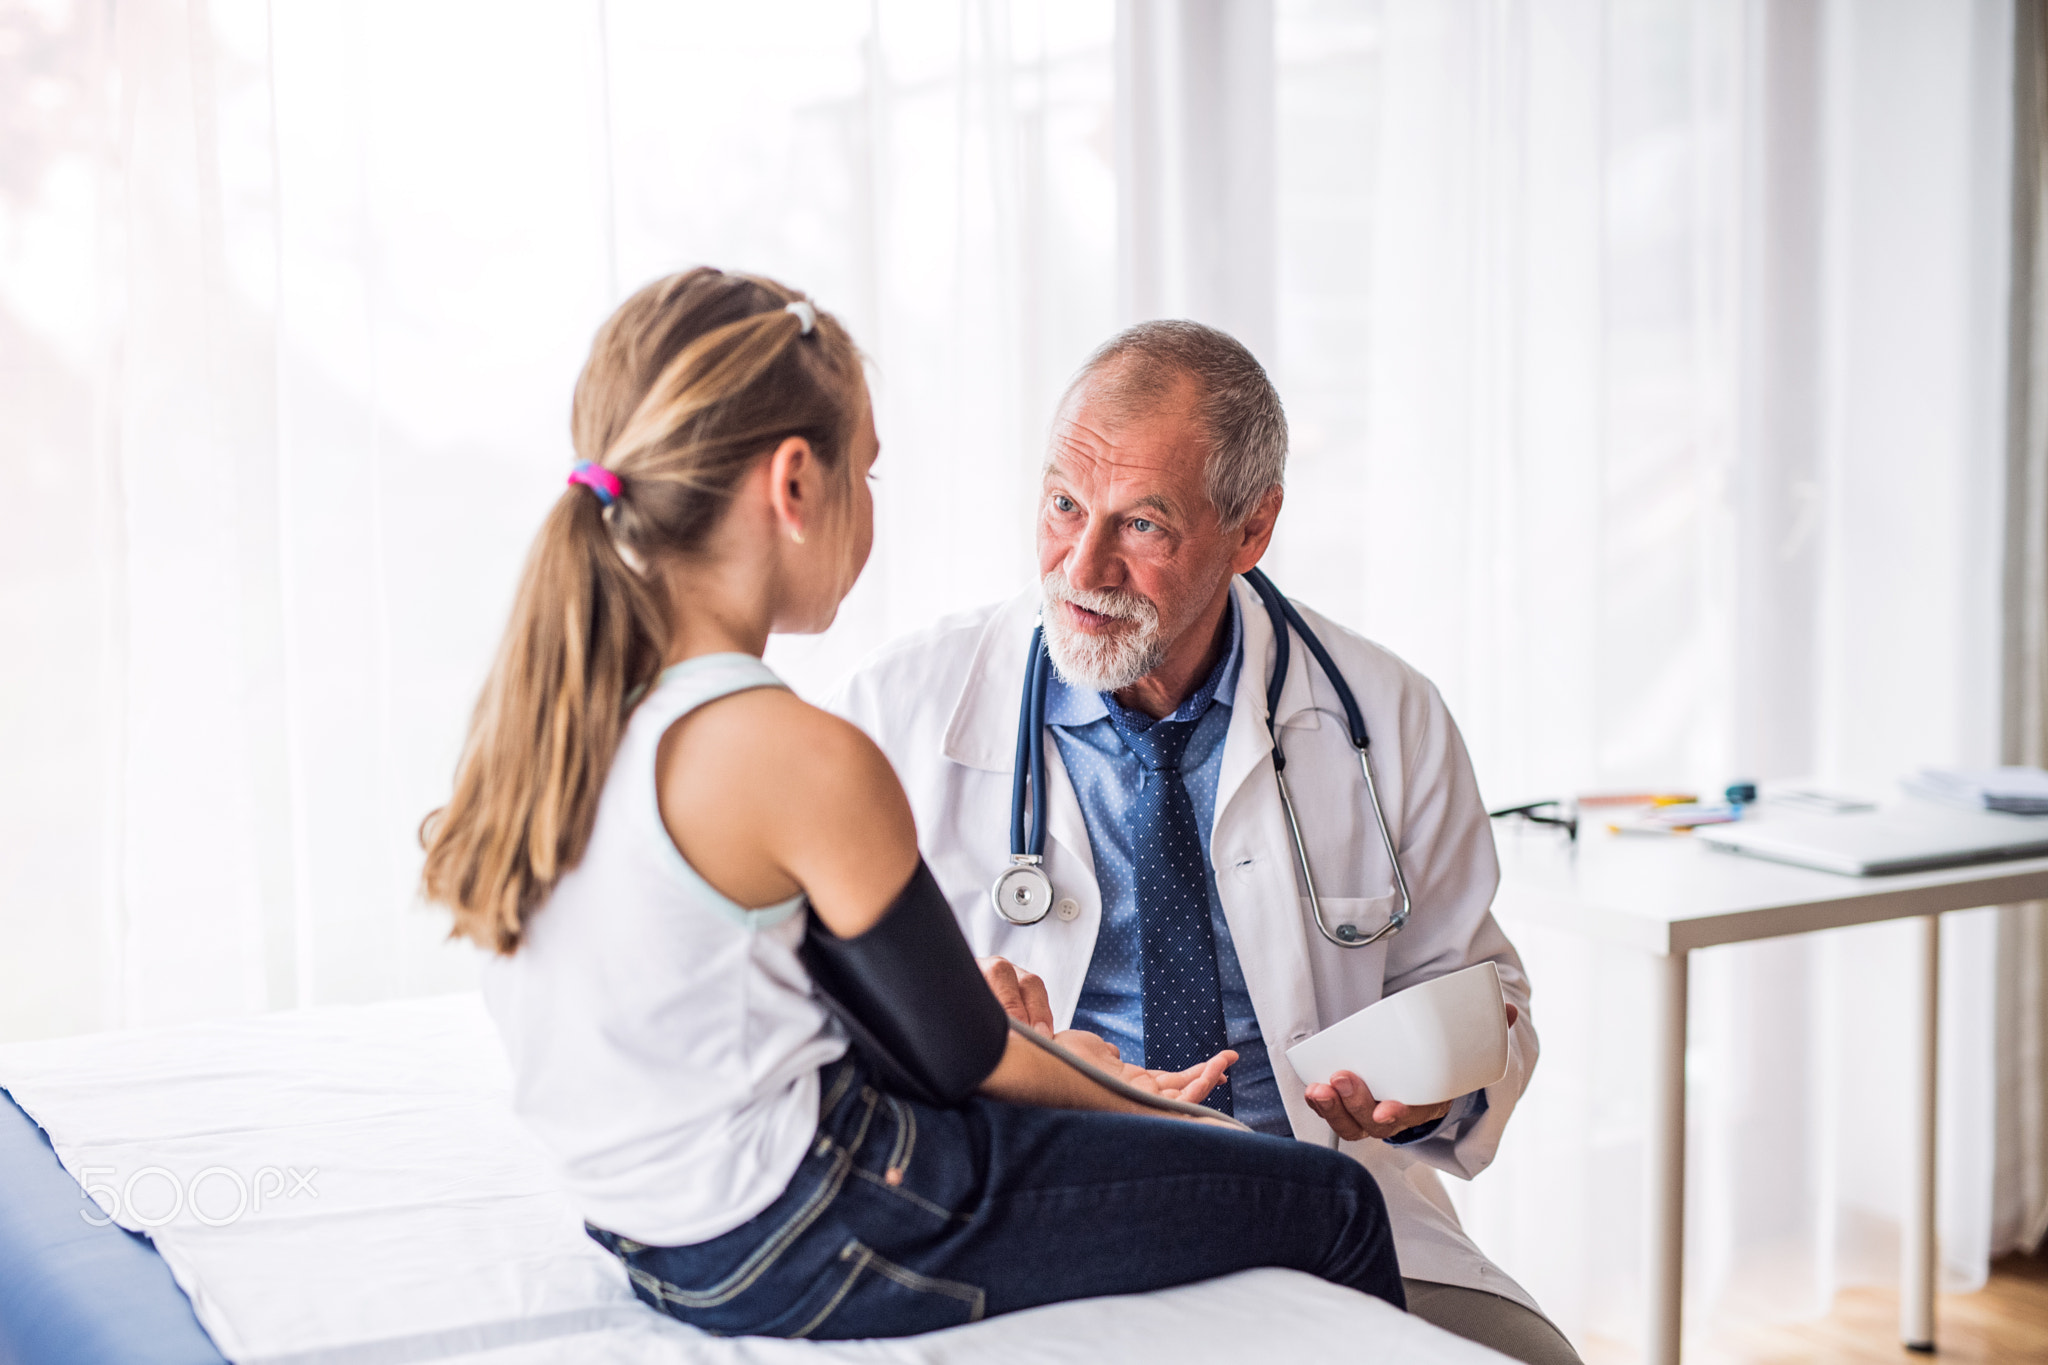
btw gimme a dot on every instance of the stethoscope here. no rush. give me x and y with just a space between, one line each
1023 893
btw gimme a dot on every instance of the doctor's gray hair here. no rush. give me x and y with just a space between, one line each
1139 366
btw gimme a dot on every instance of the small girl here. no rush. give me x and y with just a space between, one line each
642 816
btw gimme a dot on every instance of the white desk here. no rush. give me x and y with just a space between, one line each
1666 897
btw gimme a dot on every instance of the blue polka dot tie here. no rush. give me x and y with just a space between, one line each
1183 997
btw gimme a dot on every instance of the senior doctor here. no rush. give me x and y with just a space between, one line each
1162 484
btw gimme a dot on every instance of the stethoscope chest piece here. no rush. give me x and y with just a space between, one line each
1023 893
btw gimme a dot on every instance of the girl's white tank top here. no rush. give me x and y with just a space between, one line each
664 1041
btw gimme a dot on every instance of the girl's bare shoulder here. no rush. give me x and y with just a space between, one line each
769 744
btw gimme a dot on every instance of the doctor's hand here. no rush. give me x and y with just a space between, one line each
1021 993
1190 1085
1347 1105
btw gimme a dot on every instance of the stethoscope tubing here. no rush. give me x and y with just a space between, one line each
1287 620
1030 760
1038 686
1400 915
1353 717
1119 1086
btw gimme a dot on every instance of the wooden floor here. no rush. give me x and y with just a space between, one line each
2005 1322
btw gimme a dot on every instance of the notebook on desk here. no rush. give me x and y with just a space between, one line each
1910 836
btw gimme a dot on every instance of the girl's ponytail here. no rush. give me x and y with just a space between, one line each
692 380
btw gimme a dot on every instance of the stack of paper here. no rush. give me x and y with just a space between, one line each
2020 791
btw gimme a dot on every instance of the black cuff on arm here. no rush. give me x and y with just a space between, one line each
910 996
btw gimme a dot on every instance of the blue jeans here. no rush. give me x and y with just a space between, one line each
903 1218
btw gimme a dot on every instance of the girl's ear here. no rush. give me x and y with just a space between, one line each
789 468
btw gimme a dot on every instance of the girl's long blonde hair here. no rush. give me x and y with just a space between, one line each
689 383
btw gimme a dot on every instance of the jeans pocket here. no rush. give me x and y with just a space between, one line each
712 1284
865 1294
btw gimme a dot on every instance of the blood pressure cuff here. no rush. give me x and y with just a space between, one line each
910 997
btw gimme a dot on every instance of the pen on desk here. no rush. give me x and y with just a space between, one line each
1638 799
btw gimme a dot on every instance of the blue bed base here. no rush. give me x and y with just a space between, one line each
72 1293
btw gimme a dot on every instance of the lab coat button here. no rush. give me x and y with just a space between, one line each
1067 908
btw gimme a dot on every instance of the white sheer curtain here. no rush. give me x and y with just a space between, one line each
1644 359
291 300
1646 366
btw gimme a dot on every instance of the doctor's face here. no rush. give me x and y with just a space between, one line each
1130 550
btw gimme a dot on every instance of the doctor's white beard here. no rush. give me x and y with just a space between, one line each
1102 663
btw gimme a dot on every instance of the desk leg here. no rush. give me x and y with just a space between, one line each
1917 1246
1666 1261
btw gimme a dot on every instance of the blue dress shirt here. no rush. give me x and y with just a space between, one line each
1106 777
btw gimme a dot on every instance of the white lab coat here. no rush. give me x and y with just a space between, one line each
943 705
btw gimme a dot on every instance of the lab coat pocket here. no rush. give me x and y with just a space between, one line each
1366 914
1347 979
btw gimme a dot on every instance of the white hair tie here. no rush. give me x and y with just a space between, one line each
805 314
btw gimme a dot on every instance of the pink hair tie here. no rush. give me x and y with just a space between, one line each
598 480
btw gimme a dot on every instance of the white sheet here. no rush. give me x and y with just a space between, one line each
408 1217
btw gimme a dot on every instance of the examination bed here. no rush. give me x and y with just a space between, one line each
349 1187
